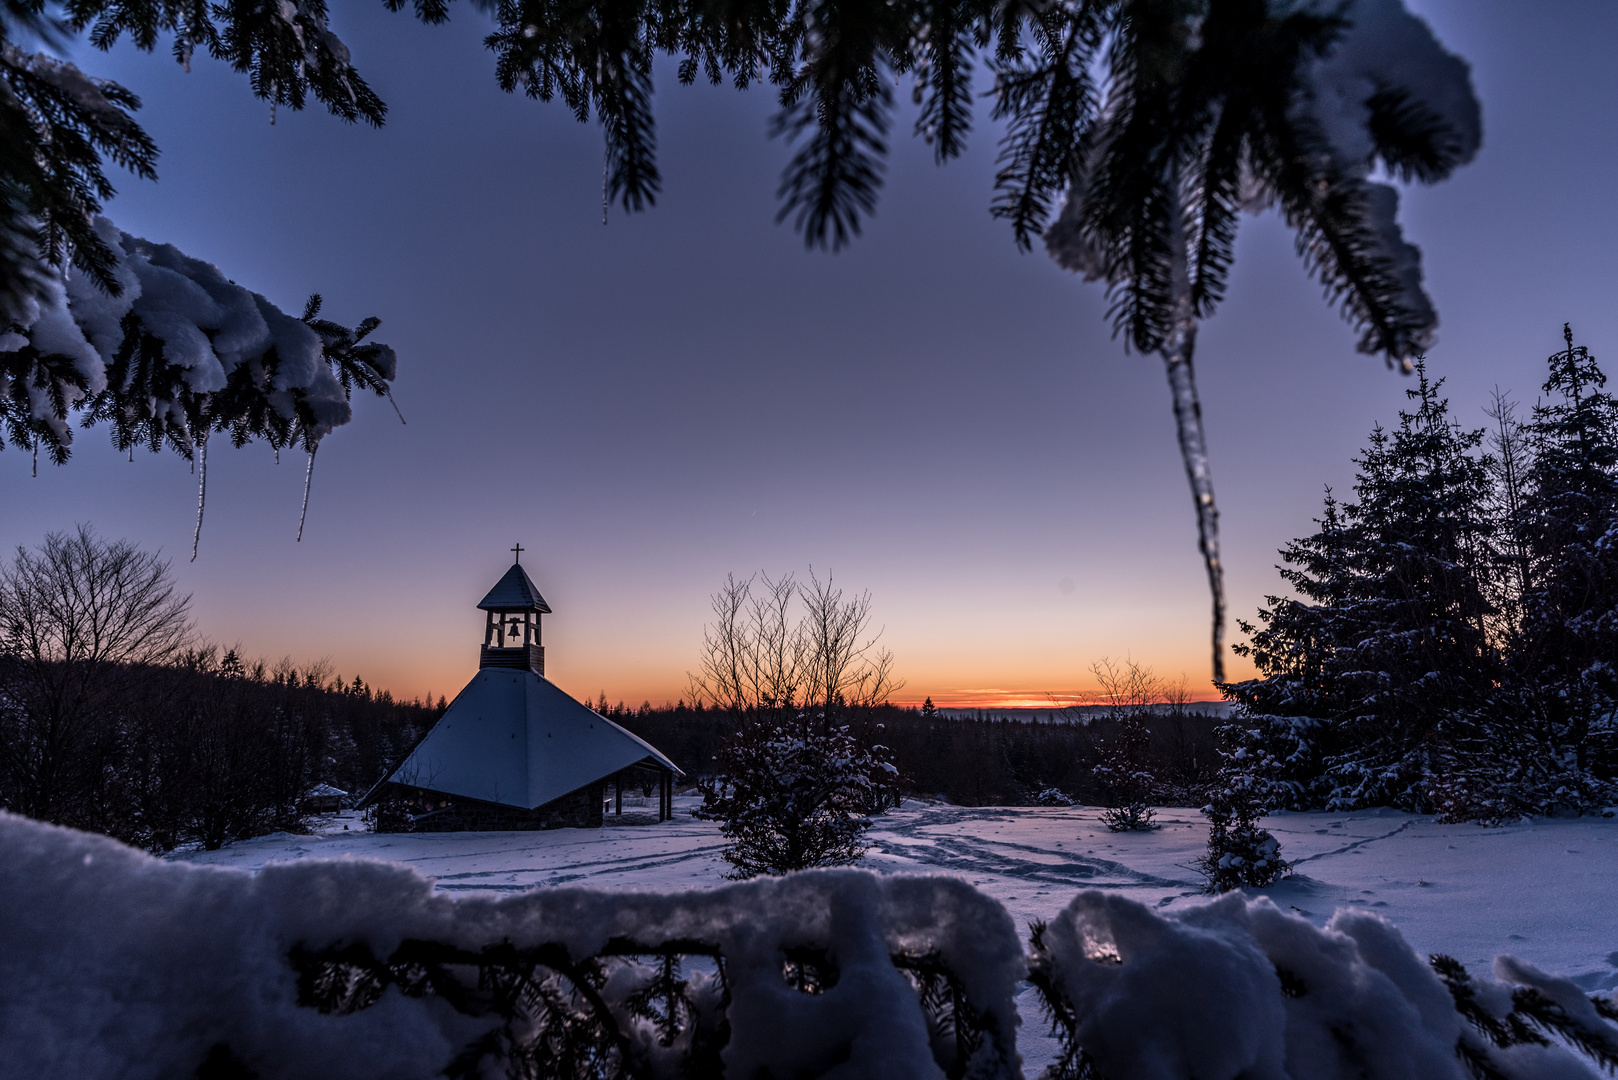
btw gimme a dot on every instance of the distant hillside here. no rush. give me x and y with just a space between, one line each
1047 714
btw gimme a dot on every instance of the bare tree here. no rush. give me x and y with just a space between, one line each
1509 462
1130 690
795 785
753 654
762 664
76 614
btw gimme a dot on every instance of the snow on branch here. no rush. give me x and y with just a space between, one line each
1385 94
113 963
1239 988
180 352
117 964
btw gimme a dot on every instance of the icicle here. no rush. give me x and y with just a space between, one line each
277 455
1194 452
36 459
606 161
202 493
1177 349
308 478
395 405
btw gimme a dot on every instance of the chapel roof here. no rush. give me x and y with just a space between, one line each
514 592
514 738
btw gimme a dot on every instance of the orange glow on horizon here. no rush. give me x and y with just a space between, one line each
1023 699
992 698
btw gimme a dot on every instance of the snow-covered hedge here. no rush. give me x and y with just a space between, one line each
1238 988
116 964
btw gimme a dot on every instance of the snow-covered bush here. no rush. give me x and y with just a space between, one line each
1512 778
795 785
791 798
1124 773
114 964
1239 852
1053 796
1238 988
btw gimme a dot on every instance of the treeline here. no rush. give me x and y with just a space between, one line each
1451 644
976 761
113 719
202 750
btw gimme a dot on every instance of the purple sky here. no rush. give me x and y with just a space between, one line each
688 392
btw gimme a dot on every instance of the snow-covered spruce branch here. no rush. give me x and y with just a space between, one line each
59 125
117 964
179 354
114 963
1238 987
361 969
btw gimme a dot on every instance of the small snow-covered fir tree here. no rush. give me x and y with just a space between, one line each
1240 853
1129 782
789 798
1130 690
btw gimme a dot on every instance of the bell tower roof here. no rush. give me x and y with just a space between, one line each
514 592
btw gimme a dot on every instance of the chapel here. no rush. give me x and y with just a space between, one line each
513 751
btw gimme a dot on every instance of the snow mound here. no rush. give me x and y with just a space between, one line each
116 964
1238 988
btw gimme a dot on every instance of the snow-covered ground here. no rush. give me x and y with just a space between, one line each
1543 891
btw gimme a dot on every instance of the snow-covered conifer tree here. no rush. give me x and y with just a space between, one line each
1124 772
1390 642
1546 742
1568 645
1240 852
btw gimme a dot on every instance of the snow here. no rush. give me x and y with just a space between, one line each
208 325
1539 891
1387 49
116 964
1387 53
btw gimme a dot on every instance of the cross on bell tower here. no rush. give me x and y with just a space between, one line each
511 631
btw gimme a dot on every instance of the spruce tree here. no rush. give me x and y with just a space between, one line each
1389 639
1545 746
1240 852
1569 639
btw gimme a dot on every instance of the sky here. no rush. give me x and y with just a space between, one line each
654 403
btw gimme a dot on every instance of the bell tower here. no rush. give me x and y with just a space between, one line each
511 631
